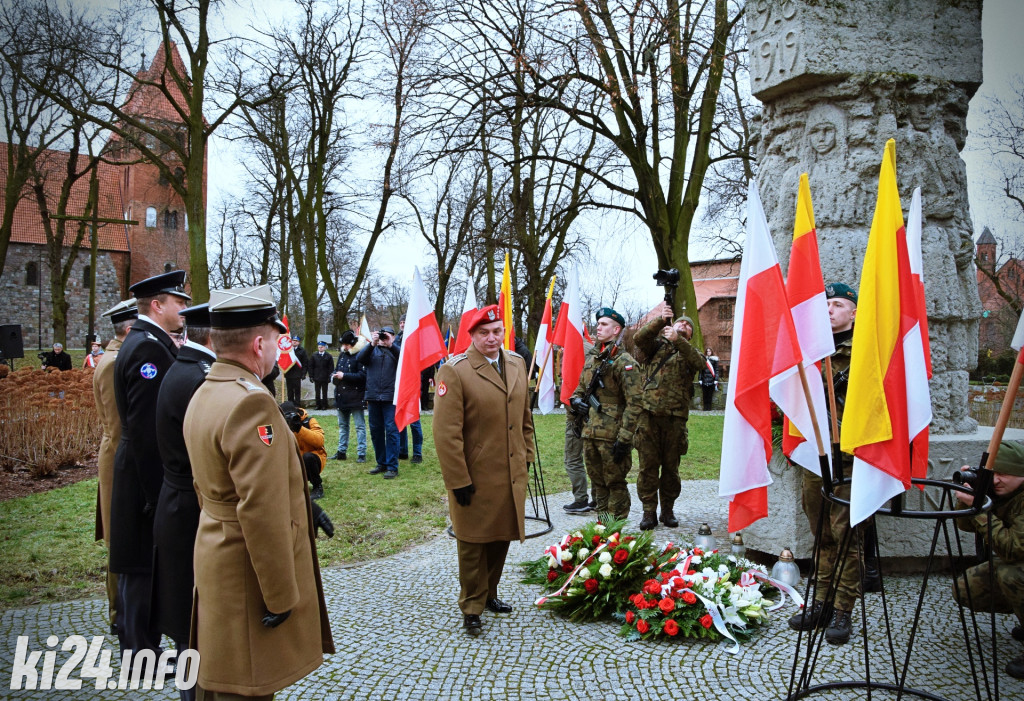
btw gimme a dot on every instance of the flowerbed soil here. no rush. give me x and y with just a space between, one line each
21 483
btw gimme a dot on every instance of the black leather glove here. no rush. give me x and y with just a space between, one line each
323 522
273 620
620 451
463 495
579 407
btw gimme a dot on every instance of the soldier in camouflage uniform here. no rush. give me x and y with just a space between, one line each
1000 590
842 309
665 394
608 434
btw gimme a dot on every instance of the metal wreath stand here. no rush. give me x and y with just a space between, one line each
536 495
800 686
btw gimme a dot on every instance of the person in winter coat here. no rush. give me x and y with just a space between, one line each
321 367
380 359
349 387
709 378
297 372
310 438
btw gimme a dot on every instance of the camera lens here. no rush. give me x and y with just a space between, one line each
967 477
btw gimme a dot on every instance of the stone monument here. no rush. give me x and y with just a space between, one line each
837 79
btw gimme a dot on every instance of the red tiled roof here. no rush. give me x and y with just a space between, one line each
28 222
148 99
705 290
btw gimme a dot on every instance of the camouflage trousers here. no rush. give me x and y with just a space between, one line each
1005 593
607 477
835 527
661 442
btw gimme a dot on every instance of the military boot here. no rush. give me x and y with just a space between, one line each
838 631
667 517
649 521
1015 667
810 617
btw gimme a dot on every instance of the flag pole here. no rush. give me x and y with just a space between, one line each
826 472
540 373
836 457
1012 387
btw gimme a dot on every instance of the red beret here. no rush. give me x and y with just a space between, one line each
487 315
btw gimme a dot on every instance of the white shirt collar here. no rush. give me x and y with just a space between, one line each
204 349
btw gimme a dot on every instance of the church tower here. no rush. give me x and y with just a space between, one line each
987 250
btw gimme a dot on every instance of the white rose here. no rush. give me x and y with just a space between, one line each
695 560
584 573
605 557
582 554
565 555
606 570
552 562
577 534
599 528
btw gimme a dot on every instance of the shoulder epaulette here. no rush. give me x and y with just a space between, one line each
151 336
455 359
250 386
512 352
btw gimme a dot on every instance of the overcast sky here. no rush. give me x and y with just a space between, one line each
619 244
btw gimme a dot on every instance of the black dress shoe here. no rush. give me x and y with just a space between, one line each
472 623
377 470
498 606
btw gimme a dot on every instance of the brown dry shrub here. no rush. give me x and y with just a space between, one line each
47 420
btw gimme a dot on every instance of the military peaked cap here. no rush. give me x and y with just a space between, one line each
840 289
244 307
198 315
172 283
122 311
611 314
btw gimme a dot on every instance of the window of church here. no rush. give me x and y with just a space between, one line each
31 273
151 217
725 310
171 220
87 277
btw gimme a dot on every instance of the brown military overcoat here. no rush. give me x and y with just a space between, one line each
255 548
483 434
106 407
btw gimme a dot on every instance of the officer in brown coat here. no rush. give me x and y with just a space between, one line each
259 620
122 315
483 434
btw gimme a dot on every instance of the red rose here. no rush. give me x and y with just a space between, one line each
567 567
630 617
689 597
678 582
637 600
670 627
652 586
621 555
666 605
691 571
642 626
698 551
591 586
552 575
705 620
596 540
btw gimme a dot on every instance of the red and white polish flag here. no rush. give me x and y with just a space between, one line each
569 335
462 338
422 346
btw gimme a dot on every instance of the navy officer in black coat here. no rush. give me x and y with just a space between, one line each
141 365
177 511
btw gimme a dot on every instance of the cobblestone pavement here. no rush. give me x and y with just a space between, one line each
398 633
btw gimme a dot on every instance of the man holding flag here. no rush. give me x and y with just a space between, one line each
842 310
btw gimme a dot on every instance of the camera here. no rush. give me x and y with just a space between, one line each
293 420
979 480
667 278
383 334
968 477
41 356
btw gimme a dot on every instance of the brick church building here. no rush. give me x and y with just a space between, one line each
126 253
999 319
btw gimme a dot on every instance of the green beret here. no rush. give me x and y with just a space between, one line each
685 318
1010 459
840 289
611 314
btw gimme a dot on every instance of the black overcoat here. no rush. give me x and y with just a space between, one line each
177 512
141 365
321 367
349 390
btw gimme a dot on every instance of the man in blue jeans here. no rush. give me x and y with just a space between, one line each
349 388
380 360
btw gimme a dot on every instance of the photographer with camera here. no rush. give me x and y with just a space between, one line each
380 359
1001 587
310 437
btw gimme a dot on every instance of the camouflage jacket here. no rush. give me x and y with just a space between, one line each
840 370
1007 517
667 385
617 417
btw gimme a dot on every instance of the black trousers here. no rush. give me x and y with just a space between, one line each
708 391
312 464
294 389
321 395
134 629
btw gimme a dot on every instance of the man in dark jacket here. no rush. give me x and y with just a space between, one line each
321 367
297 372
380 358
349 387
177 511
415 426
141 366
57 358
709 378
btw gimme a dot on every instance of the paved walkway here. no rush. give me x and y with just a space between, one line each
398 633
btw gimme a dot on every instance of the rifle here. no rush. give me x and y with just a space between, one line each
596 382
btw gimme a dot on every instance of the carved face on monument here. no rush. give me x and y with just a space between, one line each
825 133
822 137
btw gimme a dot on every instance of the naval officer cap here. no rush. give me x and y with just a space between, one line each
199 315
172 283
244 307
124 310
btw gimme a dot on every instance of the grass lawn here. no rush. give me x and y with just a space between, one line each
49 553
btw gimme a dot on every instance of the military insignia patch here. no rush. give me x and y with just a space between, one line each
491 316
266 433
148 371
442 389
628 367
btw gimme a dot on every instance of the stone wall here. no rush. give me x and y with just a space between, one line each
23 304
